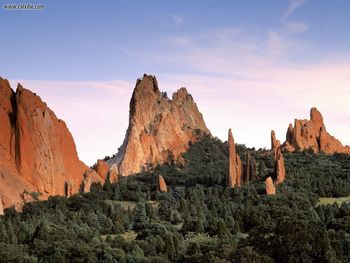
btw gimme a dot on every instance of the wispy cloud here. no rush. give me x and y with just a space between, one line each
293 5
245 82
297 27
177 19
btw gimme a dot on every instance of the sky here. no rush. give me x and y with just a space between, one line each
251 65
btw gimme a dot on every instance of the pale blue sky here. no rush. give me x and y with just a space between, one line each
102 40
257 64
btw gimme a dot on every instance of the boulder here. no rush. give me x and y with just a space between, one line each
162 187
269 186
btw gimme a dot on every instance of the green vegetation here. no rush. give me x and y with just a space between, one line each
198 220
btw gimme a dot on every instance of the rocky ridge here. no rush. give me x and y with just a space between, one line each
37 151
312 134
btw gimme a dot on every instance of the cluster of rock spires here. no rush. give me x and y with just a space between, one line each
38 153
243 173
159 129
239 173
312 134
279 171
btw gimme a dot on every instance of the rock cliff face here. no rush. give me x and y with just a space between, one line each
235 164
159 128
312 134
37 151
162 187
113 174
102 169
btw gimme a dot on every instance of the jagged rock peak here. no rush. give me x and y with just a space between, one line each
37 151
159 128
274 142
234 178
312 134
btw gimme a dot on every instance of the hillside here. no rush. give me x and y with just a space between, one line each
198 219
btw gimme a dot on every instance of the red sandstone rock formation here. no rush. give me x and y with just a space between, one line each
162 187
269 186
113 174
68 189
1 206
159 128
249 173
102 169
280 171
235 164
37 151
312 134
274 143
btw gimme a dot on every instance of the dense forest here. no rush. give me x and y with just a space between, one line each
198 220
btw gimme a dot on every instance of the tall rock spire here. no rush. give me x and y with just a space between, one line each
159 128
280 171
235 164
274 142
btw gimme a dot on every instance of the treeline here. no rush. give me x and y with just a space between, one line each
197 220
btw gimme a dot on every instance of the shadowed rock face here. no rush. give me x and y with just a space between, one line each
312 134
159 128
235 164
37 151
